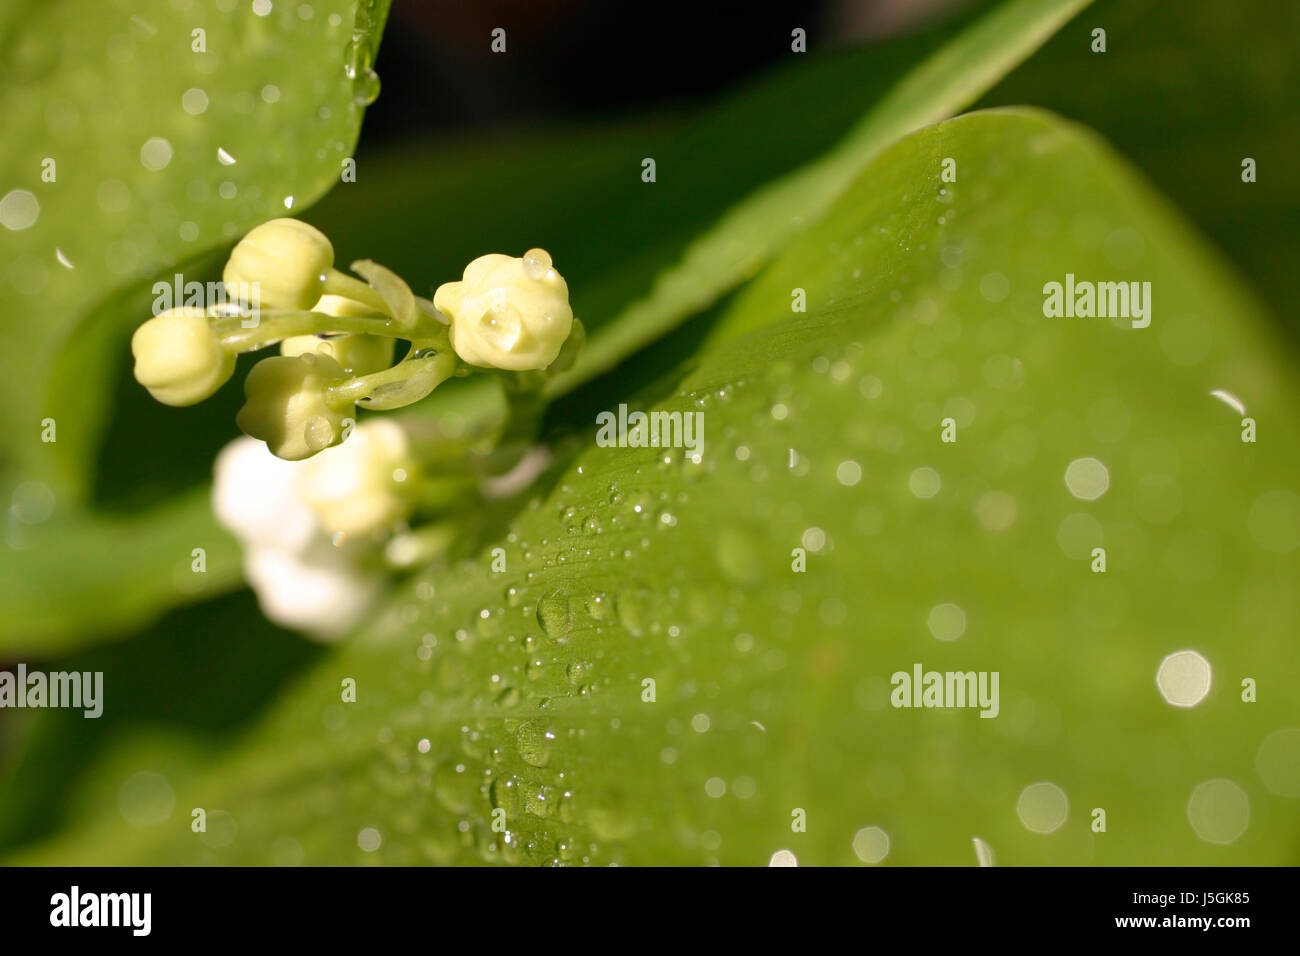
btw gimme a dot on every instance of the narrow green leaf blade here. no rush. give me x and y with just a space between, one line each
752 232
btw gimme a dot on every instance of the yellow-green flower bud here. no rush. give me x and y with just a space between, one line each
285 260
364 484
358 354
179 358
286 404
508 313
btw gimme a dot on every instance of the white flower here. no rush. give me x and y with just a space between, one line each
255 496
302 579
508 313
361 486
319 590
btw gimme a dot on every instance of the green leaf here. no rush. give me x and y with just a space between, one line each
751 233
142 140
121 570
525 691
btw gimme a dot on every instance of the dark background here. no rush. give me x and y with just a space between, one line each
590 60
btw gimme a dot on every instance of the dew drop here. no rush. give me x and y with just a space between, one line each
633 608
553 614
537 264
504 794
19 209
318 433
1278 762
533 741
871 845
1042 807
194 101
924 482
1219 811
946 621
368 839
1087 479
508 698
365 81
155 154
599 606
1184 678
578 672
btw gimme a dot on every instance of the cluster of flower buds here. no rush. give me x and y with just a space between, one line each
337 335
321 524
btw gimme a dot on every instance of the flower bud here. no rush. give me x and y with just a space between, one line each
508 313
358 354
286 404
362 485
179 358
285 260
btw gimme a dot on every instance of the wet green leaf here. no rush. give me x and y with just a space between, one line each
136 141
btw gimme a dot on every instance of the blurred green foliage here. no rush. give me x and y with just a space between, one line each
1187 91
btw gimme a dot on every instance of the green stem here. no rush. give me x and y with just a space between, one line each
436 370
340 283
276 326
